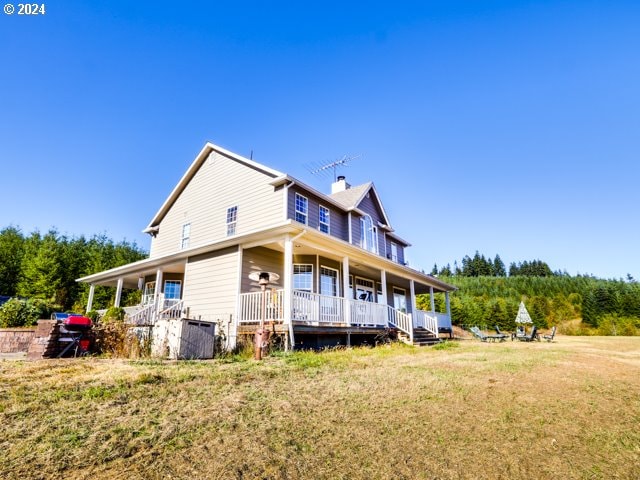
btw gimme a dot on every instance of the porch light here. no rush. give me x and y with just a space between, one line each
261 339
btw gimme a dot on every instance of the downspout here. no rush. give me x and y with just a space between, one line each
289 294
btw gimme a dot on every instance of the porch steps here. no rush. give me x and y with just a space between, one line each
422 337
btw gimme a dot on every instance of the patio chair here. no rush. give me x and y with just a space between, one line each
531 337
478 334
549 337
499 334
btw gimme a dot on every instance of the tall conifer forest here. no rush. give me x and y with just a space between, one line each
38 272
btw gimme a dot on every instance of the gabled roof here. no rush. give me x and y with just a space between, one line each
353 196
206 151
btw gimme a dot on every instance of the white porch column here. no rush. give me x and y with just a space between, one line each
448 303
433 300
116 303
412 290
345 290
92 289
383 284
287 284
158 286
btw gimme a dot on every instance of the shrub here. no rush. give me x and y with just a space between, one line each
24 313
113 314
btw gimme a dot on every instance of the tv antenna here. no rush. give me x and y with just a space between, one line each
341 162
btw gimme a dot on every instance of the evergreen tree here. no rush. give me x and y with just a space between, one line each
41 269
499 269
11 252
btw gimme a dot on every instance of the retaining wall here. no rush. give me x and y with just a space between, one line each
16 340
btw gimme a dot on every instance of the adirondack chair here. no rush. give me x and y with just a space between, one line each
531 337
549 337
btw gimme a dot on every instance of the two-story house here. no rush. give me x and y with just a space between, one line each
340 271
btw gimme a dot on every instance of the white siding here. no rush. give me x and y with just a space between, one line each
218 184
211 285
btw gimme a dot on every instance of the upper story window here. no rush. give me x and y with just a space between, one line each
232 219
368 234
303 277
302 208
394 252
186 235
325 219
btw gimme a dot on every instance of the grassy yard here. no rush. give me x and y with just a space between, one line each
566 410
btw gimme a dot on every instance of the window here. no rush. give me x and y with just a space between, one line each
379 294
302 207
399 299
368 234
232 219
186 234
328 281
364 289
394 252
149 293
325 219
172 289
303 277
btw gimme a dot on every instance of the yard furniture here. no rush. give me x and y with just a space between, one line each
531 337
483 337
502 336
549 337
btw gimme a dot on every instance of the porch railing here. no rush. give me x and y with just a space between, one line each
251 306
314 308
368 313
144 316
426 320
400 320
174 310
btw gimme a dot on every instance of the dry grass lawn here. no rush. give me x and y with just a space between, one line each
565 410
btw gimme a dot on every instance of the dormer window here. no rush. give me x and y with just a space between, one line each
302 208
368 234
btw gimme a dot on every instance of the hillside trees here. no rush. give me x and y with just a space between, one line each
45 267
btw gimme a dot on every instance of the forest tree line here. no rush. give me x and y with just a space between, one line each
488 294
40 270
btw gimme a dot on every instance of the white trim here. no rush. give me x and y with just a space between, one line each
233 336
350 227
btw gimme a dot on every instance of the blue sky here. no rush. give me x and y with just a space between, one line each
508 127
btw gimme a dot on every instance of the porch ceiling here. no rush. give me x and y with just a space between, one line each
130 278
